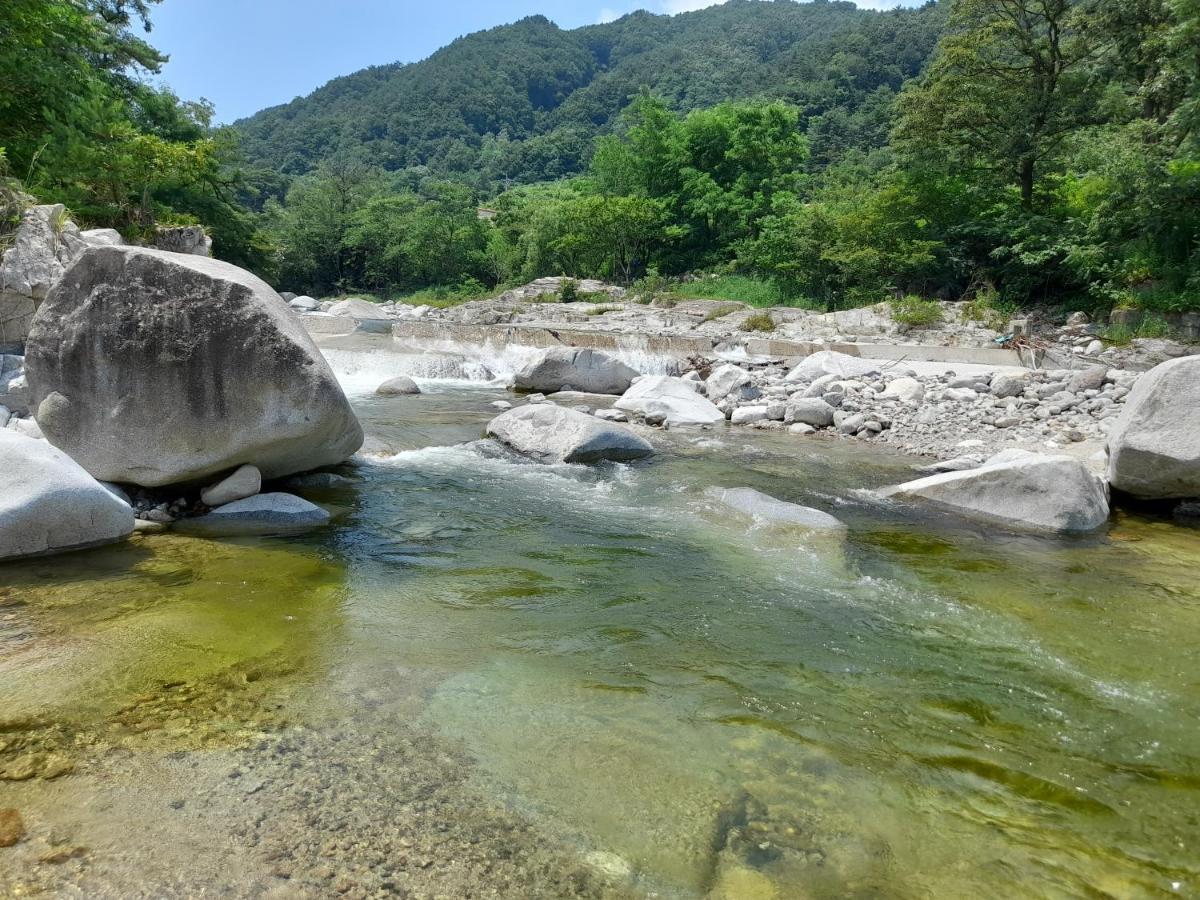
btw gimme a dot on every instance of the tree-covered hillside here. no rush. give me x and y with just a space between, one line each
523 102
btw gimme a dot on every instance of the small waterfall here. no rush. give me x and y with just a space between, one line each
488 364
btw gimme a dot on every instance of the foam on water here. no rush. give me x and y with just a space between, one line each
449 364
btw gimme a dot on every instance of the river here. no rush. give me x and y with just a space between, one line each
603 682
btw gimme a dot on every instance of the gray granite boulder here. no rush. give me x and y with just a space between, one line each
1154 448
401 384
555 434
670 401
245 482
1019 489
260 514
158 368
569 368
49 504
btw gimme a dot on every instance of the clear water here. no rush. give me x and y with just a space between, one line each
927 709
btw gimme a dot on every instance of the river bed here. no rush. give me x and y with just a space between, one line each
493 678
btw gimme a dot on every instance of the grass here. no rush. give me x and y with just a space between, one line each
988 310
1150 326
759 322
742 288
601 310
915 312
721 312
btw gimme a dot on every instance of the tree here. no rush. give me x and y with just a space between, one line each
1010 81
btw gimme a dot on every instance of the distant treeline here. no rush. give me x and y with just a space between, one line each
1033 150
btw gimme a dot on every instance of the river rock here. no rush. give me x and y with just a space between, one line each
569 368
357 308
1020 489
49 504
748 415
261 514
730 382
12 829
831 362
773 511
1154 448
14 387
303 304
905 389
811 411
668 400
399 385
1089 379
245 482
155 368
556 434
1004 385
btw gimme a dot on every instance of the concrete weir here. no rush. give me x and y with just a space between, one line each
416 336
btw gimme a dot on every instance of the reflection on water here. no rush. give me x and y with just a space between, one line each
705 706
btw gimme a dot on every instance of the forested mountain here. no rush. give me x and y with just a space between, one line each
523 102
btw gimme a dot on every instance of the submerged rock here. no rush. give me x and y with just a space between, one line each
1154 450
555 434
49 504
569 368
663 399
773 511
399 385
1017 488
157 368
12 829
262 514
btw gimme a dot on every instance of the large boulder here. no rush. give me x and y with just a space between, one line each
49 504
1154 448
670 401
556 434
156 368
1019 489
46 243
569 368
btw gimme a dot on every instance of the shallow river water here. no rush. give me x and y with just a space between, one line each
677 701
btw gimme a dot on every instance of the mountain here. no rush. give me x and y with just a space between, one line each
522 102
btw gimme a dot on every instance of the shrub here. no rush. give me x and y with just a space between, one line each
988 310
720 312
759 322
916 312
568 292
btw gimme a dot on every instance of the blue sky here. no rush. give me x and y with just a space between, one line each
244 55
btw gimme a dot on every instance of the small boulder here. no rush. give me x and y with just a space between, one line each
1154 448
569 368
730 382
831 362
812 411
1089 379
1018 489
671 401
49 504
1005 385
748 415
357 308
906 390
187 239
556 434
399 385
303 304
261 514
245 482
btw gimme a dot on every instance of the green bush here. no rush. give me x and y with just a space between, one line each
759 322
742 288
987 309
915 312
568 292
